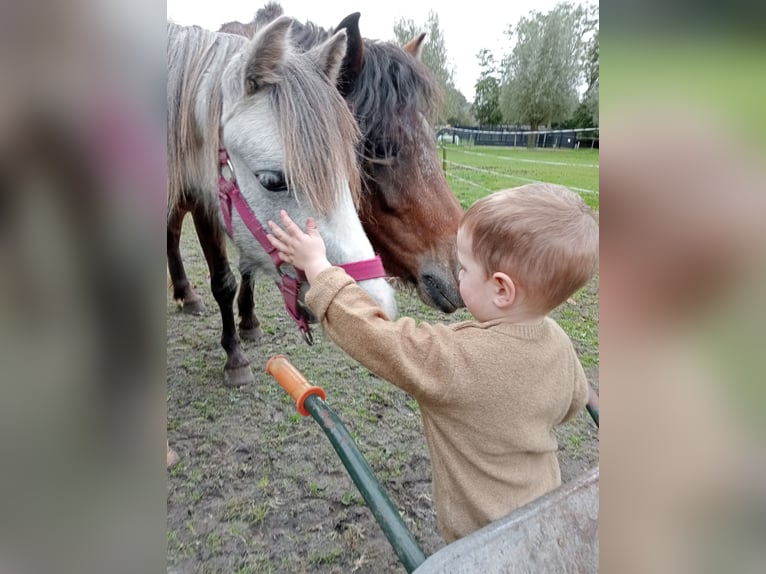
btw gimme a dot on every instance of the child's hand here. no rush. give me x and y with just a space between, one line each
301 250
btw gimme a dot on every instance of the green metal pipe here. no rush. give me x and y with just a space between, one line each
397 533
593 413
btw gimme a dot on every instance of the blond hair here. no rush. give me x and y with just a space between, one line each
543 236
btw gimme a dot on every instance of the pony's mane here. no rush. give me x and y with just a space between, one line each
197 59
319 148
246 30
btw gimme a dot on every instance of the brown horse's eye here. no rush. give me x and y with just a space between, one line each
384 150
272 180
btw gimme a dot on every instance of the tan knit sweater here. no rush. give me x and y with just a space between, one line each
489 394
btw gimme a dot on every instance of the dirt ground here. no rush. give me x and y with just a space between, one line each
259 488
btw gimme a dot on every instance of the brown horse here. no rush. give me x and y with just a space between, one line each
408 211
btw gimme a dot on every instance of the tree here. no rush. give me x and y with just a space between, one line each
486 104
458 110
434 56
591 72
543 71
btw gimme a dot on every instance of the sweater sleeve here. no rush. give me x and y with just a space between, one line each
579 391
412 356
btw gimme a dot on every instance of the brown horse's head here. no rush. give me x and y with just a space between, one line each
408 210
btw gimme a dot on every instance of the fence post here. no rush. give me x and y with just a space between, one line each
444 159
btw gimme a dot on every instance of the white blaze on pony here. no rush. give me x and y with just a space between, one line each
291 140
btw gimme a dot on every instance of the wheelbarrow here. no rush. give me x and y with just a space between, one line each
557 532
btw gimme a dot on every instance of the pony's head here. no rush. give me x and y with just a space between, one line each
410 213
292 143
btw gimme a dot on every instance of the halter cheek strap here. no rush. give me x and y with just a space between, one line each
230 196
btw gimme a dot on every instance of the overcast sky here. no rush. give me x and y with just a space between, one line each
467 27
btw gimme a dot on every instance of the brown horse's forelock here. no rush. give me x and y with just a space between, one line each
319 136
392 85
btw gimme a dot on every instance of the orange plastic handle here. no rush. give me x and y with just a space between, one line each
293 381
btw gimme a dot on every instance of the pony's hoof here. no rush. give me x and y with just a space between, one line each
194 307
238 377
254 334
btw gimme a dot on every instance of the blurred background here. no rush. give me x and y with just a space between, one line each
683 247
82 184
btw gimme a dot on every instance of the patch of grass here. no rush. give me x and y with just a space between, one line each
263 483
475 172
190 528
579 319
244 511
315 489
328 557
260 564
206 410
214 542
177 469
350 497
366 415
375 397
575 441
177 547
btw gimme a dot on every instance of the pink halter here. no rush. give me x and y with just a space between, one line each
229 195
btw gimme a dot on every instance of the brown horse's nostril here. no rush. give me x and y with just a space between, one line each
441 289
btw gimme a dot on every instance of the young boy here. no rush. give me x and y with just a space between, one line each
491 390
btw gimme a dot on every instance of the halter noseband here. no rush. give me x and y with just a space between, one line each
229 195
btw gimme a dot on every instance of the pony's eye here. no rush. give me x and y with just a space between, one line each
272 180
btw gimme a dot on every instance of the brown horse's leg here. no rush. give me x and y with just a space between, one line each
182 290
223 284
249 325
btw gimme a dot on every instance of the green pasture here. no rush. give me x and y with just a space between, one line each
474 171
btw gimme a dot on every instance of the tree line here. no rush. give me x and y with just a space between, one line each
550 78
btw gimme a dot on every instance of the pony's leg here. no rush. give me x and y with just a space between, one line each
249 325
223 284
182 290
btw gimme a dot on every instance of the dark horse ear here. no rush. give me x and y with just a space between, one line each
415 46
354 59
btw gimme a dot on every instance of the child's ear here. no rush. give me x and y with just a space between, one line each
504 290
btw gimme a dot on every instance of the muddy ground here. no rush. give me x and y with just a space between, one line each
259 488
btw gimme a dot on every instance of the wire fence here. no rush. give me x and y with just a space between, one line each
575 138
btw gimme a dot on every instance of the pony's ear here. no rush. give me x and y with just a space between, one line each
266 53
415 46
329 55
354 58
